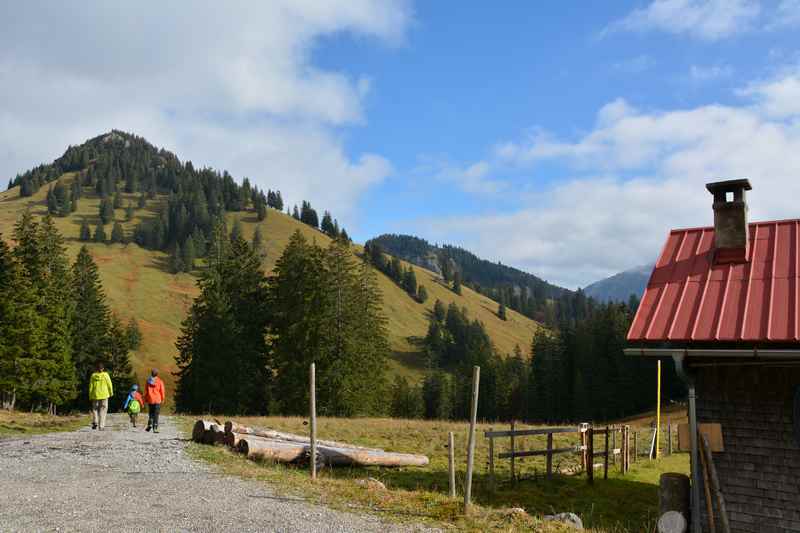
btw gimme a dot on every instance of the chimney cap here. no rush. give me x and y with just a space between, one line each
729 185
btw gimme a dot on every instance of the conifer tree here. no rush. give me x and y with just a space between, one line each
296 213
222 353
99 233
457 282
410 282
439 311
501 311
199 240
52 203
405 400
261 211
142 202
176 259
117 233
117 201
106 211
133 334
129 212
422 294
86 231
236 231
327 225
91 320
119 363
188 255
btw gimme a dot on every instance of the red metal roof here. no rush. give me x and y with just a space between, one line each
690 299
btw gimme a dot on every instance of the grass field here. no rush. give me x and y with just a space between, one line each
139 285
620 504
18 423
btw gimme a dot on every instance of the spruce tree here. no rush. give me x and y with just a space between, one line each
457 282
261 211
106 211
129 212
91 320
188 255
327 225
117 233
199 240
117 201
119 363
405 400
133 334
410 282
236 230
99 233
176 259
142 201
501 311
422 294
86 231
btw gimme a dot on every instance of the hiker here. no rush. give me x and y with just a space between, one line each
100 390
133 404
154 396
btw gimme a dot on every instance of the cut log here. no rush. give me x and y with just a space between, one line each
233 427
199 430
214 434
255 447
231 440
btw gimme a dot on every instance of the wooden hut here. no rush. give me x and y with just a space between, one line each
724 303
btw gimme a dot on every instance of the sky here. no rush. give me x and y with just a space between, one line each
562 138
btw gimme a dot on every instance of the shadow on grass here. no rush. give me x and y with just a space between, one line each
608 504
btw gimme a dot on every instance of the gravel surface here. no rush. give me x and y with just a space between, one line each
124 479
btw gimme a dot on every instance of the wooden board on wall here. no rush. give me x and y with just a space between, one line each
712 431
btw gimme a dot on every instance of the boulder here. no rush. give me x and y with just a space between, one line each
566 518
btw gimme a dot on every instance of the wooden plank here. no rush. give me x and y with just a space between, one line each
451 463
476 380
313 409
605 460
712 432
534 453
528 432
549 455
491 464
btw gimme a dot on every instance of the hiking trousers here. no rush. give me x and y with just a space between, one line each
153 410
99 411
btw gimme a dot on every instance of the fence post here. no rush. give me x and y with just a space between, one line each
635 445
614 446
549 455
605 458
513 449
590 454
313 409
582 431
669 438
491 462
476 377
451 463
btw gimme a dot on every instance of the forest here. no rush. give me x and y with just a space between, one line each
55 323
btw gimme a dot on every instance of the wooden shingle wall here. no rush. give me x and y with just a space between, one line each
760 468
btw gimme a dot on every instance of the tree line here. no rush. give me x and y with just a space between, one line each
55 323
576 372
405 278
249 339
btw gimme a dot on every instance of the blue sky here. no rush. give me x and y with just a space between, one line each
562 138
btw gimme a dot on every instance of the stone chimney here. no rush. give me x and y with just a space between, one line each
731 233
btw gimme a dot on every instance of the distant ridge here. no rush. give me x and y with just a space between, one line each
619 287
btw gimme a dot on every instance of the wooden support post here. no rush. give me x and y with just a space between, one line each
451 463
549 455
513 449
635 446
476 377
622 450
590 454
658 411
582 435
491 462
605 457
313 414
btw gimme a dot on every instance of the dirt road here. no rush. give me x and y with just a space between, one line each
129 480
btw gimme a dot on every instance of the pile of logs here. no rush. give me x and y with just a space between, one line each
271 445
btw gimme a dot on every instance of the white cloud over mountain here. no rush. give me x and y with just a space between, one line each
636 175
228 85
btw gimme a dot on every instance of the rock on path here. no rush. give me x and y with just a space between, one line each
125 479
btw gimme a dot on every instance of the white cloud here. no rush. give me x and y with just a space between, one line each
228 85
704 74
705 19
473 178
637 175
786 15
635 65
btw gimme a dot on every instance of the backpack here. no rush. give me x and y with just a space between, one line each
134 407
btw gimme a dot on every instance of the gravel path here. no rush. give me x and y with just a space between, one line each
123 479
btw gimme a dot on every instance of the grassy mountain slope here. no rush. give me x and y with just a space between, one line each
138 284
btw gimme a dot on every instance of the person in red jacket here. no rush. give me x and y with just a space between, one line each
154 397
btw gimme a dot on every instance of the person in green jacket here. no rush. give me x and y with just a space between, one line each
100 390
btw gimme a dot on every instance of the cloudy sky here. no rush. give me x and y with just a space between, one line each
561 138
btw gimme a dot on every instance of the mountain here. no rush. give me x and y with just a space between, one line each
137 277
619 287
517 289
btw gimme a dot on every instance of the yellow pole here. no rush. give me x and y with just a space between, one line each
658 408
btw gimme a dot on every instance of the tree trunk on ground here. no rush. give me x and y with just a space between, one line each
233 427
